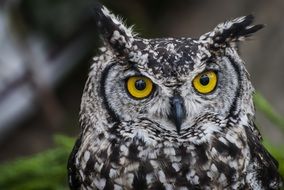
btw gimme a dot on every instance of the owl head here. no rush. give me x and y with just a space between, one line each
167 85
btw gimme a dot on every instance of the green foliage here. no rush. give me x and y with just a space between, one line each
278 154
263 106
277 151
48 170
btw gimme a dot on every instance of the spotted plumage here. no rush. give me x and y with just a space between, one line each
192 129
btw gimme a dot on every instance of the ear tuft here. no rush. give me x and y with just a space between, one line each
228 33
112 30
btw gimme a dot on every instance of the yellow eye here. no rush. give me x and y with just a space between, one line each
205 82
139 86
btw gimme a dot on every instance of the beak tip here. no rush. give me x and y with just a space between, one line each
178 127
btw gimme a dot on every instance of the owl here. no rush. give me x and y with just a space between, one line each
170 113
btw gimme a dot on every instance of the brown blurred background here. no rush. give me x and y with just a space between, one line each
46 48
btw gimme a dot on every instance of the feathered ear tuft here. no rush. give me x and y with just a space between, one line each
112 30
228 33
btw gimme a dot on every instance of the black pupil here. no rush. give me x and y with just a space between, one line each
204 80
140 84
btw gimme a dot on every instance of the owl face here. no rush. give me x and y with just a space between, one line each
172 87
172 82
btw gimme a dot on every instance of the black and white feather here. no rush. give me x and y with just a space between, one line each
175 138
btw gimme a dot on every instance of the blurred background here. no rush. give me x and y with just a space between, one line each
46 49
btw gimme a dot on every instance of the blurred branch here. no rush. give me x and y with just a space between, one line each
265 107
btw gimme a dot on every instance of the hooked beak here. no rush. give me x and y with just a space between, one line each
178 111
